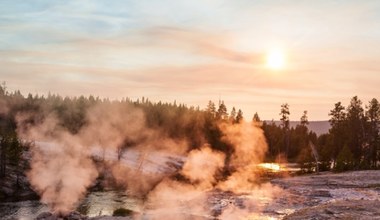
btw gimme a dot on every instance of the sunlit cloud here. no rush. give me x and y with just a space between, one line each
194 51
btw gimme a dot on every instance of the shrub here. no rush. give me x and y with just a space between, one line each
122 212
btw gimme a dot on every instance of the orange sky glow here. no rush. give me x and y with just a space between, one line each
195 51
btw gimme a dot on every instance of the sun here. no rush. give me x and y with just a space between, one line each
275 59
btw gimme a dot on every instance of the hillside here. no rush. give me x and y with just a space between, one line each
319 127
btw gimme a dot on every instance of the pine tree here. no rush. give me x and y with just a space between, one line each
356 122
239 116
304 119
285 116
373 115
211 109
256 118
338 130
222 112
284 113
232 115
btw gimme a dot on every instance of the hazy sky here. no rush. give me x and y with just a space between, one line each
195 51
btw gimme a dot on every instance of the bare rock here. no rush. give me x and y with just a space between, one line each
75 216
320 193
343 209
46 216
71 216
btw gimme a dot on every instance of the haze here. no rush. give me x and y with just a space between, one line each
195 51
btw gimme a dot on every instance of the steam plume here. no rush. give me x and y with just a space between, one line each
62 171
249 146
62 167
201 166
180 199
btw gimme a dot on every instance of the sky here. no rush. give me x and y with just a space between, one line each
195 51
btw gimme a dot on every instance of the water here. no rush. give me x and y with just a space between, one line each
24 210
100 203
104 203
95 204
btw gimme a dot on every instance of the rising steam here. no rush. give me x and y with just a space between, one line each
201 166
180 200
250 147
62 171
62 166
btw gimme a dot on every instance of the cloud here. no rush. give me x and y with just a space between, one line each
202 43
212 47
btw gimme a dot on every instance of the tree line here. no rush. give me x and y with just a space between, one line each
177 121
352 142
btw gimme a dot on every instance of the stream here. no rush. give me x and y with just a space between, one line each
103 203
94 204
349 195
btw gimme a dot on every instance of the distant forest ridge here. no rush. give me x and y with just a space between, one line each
319 127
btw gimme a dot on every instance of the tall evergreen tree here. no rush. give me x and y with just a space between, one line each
356 131
373 116
338 122
222 112
256 120
232 115
239 116
256 117
211 109
301 142
337 114
284 113
304 119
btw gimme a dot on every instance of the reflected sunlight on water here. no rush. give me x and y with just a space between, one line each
280 167
275 167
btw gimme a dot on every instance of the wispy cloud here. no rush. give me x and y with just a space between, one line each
192 51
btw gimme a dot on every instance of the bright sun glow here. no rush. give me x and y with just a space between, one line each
275 59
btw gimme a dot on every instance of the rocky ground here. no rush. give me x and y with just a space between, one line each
343 209
349 195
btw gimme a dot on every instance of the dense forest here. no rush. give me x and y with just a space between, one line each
352 142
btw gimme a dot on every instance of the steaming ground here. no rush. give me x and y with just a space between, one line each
172 199
350 195
166 178
64 165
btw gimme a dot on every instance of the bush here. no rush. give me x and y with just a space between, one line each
122 212
344 161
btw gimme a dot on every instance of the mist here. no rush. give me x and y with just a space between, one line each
65 165
191 194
